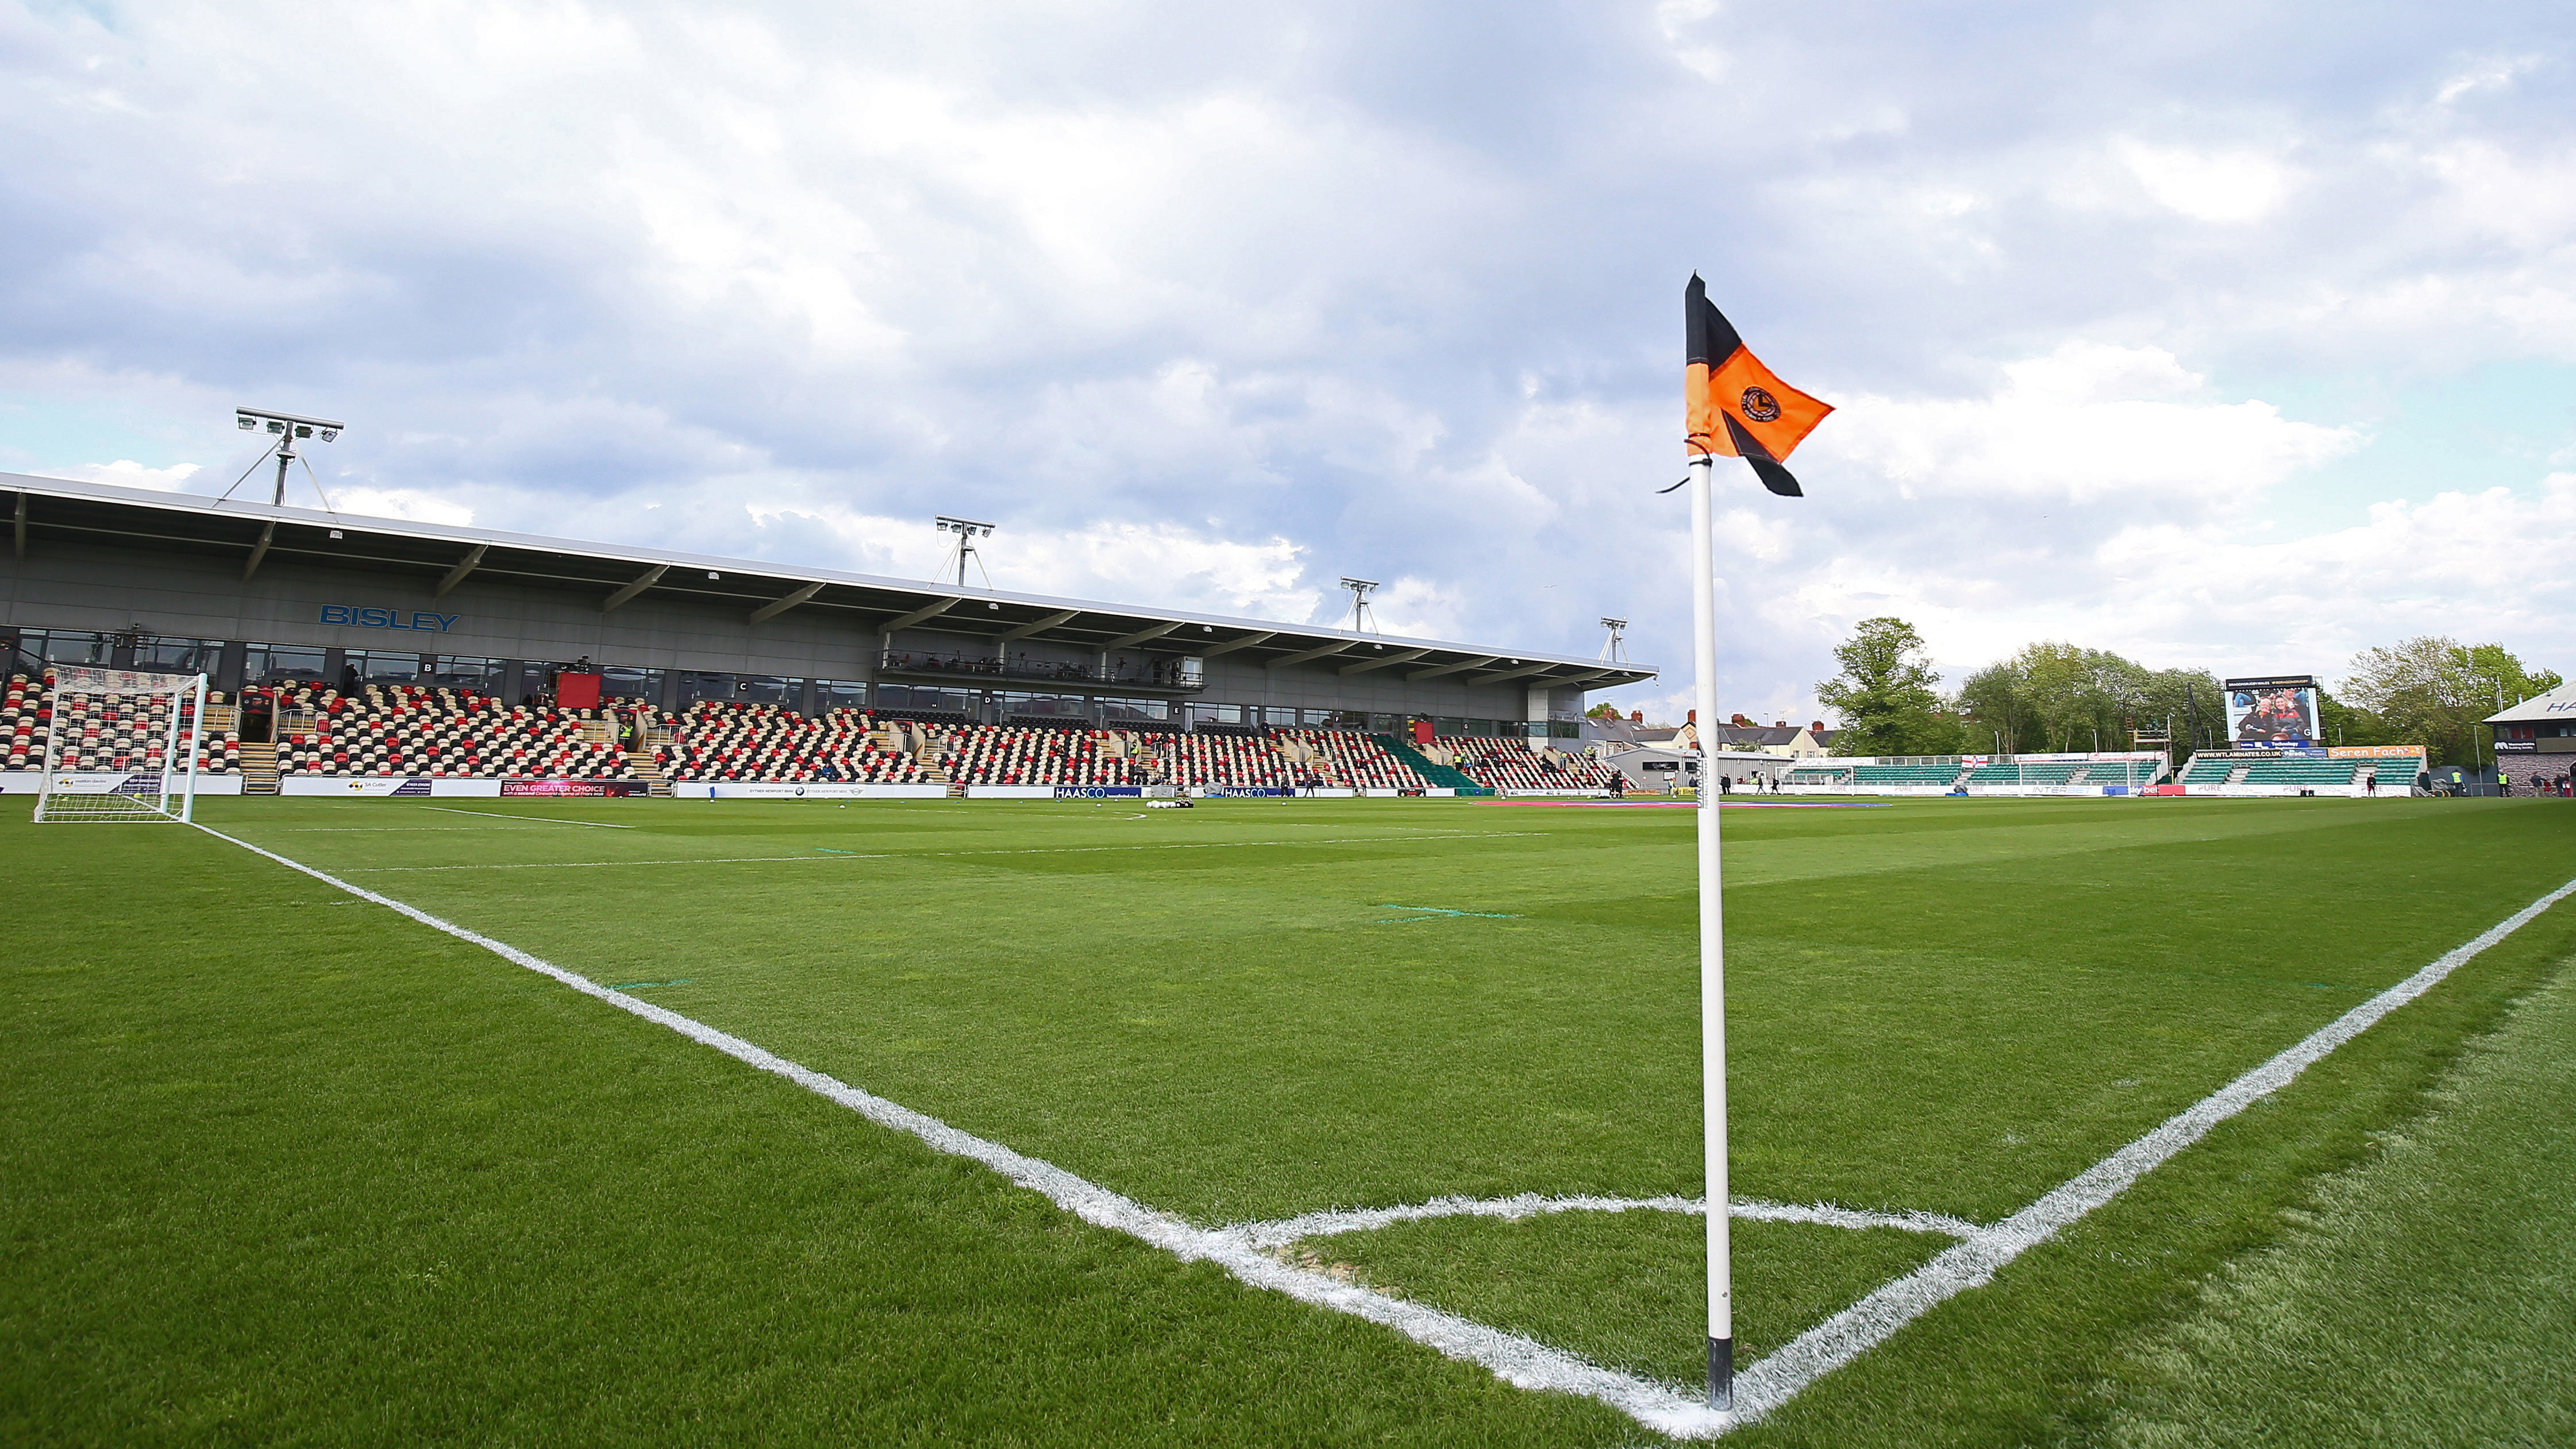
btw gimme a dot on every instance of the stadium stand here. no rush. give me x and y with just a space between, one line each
1940 773
1025 755
718 740
1818 775
2207 772
1348 759
1502 764
1225 761
413 730
27 710
2038 772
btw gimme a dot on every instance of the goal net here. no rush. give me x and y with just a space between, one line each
121 745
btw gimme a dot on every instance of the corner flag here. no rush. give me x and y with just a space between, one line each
1737 407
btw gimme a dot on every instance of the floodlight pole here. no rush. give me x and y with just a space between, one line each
1712 938
285 455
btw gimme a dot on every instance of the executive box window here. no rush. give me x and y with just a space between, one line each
456 671
900 696
281 664
618 682
832 694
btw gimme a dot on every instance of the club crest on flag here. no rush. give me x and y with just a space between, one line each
1735 406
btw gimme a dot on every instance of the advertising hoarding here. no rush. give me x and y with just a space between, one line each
2276 709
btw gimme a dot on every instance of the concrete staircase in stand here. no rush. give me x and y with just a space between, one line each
259 769
649 770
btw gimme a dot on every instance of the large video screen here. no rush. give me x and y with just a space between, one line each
2278 710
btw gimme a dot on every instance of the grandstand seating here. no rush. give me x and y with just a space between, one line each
1349 759
1499 764
1941 773
27 710
2037 772
1818 775
2207 772
725 741
2300 770
1025 755
418 731
1230 761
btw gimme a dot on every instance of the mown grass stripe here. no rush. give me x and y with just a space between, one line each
1866 1324
1516 1360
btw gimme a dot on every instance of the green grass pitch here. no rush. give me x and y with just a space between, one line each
287 1167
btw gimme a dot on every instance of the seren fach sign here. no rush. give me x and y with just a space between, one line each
362 618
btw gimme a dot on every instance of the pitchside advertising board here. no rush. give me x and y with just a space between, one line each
372 785
2278 709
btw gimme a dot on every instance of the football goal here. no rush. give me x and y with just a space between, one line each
121 745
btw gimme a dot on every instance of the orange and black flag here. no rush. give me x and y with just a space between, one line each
1737 408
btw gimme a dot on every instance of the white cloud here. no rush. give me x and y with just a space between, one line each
1209 307
2087 422
404 503
2233 184
127 473
2491 75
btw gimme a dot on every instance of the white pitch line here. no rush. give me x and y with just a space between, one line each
1516 1360
1971 1264
925 854
1523 1362
539 819
1284 1231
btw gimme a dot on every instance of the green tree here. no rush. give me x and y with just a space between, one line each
1885 695
2350 724
2054 696
2432 691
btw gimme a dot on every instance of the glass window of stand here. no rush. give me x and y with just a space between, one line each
695 686
618 682
1113 710
832 694
281 664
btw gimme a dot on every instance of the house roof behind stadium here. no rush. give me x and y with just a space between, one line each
444 556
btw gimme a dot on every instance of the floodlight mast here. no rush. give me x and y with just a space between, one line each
1363 619
1614 649
967 531
287 427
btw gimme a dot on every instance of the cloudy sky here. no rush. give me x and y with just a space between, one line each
2239 336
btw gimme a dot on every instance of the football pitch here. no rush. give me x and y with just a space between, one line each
1332 1088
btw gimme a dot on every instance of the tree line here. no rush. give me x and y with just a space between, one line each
2053 697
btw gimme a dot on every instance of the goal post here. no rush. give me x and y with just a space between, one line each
121 745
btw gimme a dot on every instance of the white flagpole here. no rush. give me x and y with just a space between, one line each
1712 937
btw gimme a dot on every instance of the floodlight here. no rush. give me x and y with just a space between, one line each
1361 617
967 531
711 573
286 428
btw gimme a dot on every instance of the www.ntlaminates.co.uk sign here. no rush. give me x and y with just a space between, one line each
356 617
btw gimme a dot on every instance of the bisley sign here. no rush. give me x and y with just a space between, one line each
356 617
